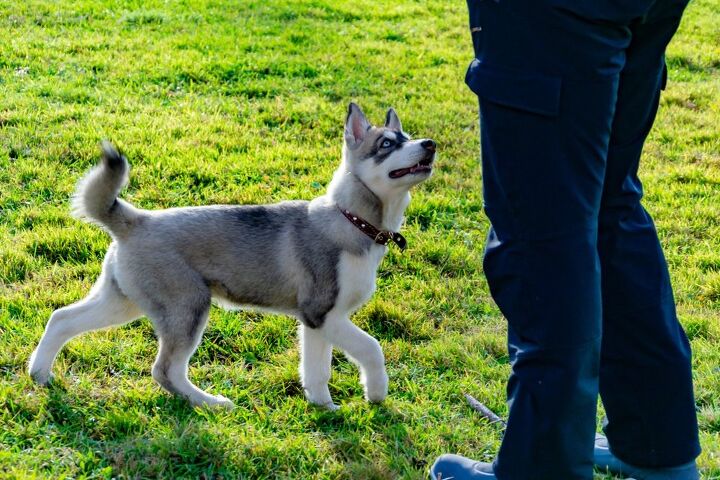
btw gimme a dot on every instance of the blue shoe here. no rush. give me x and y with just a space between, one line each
605 461
457 467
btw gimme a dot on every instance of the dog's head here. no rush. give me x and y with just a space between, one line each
385 158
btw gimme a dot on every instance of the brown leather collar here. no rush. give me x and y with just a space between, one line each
381 237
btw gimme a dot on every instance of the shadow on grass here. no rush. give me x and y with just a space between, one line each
67 409
163 437
355 435
122 441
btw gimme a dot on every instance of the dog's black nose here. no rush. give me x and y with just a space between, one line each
428 145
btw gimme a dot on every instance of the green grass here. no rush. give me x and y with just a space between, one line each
242 102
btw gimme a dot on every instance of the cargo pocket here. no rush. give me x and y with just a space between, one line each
530 92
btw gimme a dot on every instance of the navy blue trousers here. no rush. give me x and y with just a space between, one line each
568 92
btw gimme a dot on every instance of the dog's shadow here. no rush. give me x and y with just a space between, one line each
360 431
102 436
219 443
98 419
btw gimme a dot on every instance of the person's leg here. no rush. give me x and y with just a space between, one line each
645 374
547 82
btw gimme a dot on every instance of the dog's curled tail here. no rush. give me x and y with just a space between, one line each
95 199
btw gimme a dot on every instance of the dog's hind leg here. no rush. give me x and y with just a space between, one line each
315 361
105 306
179 336
362 349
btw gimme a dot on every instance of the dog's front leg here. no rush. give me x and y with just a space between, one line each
315 361
362 349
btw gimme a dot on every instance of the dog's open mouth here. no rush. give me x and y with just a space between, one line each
424 166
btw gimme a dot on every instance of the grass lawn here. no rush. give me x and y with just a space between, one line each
243 102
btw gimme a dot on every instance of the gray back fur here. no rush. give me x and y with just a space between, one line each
282 257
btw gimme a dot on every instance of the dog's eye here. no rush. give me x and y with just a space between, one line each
386 144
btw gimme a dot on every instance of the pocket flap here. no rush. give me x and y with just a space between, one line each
532 92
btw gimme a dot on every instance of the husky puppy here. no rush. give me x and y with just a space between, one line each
313 260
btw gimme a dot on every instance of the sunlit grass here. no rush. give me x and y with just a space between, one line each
243 102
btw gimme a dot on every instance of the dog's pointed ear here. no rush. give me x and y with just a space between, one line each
356 125
392 121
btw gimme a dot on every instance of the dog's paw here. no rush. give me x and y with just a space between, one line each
38 372
223 402
376 397
216 402
318 395
329 406
41 377
376 389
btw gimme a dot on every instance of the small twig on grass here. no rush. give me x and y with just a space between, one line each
484 411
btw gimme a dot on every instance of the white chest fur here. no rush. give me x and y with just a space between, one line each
356 277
